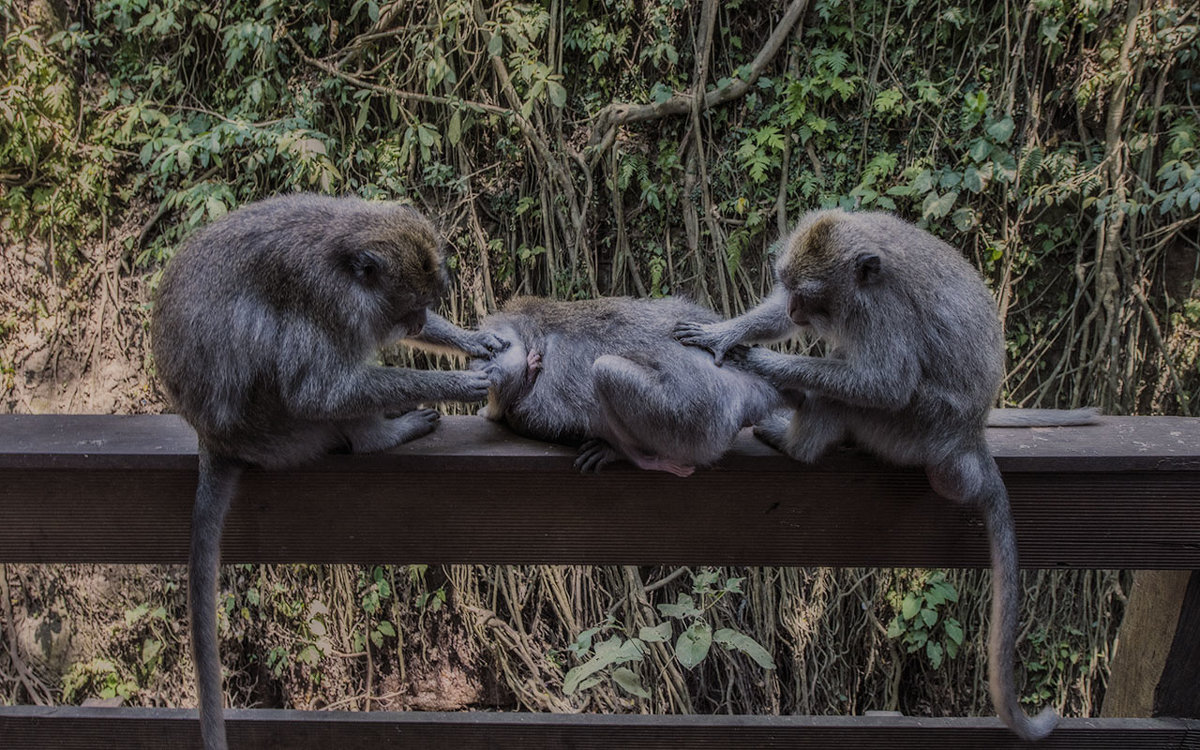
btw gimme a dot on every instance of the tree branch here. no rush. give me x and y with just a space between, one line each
615 115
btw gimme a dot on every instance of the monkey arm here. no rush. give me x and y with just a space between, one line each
441 333
765 323
889 384
375 389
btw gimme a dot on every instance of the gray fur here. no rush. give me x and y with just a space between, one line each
915 362
264 330
1043 417
606 374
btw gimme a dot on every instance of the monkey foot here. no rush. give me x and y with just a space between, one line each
594 455
533 361
657 463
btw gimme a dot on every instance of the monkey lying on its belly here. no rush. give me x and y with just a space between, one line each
608 375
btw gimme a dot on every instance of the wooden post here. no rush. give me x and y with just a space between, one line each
1178 692
1156 668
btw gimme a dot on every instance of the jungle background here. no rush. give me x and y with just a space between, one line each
583 148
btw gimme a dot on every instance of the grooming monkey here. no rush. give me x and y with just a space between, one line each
915 361
607 374
264 330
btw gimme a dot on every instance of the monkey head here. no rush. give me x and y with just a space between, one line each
395 263
826 271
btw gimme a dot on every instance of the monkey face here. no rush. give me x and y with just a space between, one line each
823 271
397 262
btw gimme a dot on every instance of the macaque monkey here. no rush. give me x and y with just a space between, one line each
607 375
264 331
915 360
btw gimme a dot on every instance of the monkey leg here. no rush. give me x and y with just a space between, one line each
813 429
640 408
774 431
380 433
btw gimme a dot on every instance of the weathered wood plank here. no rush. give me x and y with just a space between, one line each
1117 444
26 728
119 489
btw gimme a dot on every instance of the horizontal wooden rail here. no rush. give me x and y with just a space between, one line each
25 728
118 489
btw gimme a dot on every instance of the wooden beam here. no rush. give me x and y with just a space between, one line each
1125 493
69 728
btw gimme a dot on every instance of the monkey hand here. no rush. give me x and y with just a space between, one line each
465 385
711 336
758 360
484 345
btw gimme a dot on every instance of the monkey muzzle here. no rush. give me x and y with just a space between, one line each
414 322
797 309
809 301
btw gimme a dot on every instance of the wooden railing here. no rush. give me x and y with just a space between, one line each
113 489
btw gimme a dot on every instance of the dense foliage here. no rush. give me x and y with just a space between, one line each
614 147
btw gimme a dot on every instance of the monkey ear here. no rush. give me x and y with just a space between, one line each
363 265
866 268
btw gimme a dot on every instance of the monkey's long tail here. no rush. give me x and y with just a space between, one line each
218 483
1043 417
1006 603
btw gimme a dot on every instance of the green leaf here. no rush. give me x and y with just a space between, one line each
953 630
980 149
150 649
660 93
629 682
936 207
607 648
946 590
911 606
964 220
895 627
611 651
454 130
574 677
558 94
703 582
935 653
1001 130
656 635
929 616
386 628
496 45
684 606
733 639
923 183
427 136
972 180
693 644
